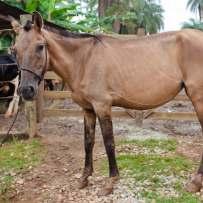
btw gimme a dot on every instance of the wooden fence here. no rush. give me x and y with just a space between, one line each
35 111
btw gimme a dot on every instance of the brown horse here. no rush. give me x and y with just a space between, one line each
104 71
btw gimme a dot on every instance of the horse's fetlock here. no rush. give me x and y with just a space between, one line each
87 172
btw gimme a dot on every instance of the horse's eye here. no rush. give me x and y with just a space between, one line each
40 47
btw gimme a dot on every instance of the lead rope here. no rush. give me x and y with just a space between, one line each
40 79
5 138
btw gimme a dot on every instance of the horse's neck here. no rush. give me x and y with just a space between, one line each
65 57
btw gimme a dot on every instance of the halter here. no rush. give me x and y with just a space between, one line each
41 76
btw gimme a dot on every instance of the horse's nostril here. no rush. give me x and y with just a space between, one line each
28 92
31 88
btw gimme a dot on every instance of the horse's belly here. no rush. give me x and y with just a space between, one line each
148 94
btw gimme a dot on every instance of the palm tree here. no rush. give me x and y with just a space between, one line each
193 24
149 15
196 6
127 16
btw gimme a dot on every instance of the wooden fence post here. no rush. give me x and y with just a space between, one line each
40 102
31 118
137 115
30 106
24 18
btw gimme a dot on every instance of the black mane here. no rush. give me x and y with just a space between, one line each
65 33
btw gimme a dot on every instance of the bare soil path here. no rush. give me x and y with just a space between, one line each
55 180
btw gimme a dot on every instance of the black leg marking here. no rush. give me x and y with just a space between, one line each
89 139
107 132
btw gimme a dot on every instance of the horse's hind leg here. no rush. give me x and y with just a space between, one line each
196 96
89 139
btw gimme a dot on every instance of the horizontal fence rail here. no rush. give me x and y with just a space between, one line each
151 114
123 114
57 94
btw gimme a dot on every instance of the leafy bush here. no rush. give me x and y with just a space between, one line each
83 17
63 13
5 43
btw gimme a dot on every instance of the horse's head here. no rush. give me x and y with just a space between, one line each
32 55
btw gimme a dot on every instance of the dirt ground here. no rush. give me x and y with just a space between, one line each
55 180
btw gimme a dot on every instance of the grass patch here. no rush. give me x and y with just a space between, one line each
183 198
153 177
167 144
16 157
148 165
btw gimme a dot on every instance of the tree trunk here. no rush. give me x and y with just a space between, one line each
140 32
200 13
116 26
102 8
103 5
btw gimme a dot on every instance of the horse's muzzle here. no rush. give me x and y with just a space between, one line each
27 92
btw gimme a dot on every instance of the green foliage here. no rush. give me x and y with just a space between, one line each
64 13
194 5
5 43
135 14
193 24
16 3
75 17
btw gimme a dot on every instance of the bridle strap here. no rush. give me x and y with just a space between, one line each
39 77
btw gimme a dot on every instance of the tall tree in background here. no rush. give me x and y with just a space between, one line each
196 6
131 15
193 24
120 16
103 6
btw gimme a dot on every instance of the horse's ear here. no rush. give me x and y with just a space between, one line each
38 21
15 24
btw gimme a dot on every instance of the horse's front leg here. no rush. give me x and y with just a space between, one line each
89 139
106 125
